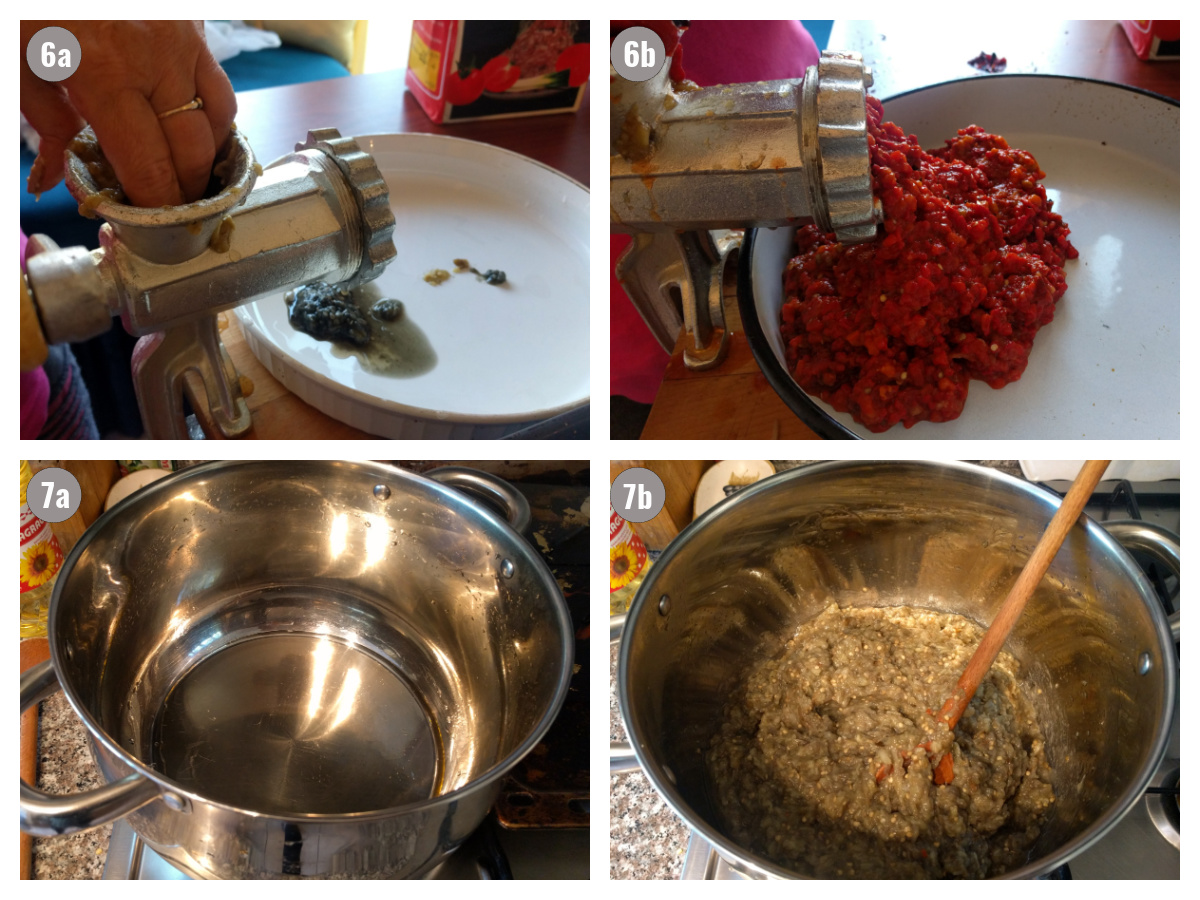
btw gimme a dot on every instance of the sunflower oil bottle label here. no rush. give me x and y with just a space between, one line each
41 556
626 552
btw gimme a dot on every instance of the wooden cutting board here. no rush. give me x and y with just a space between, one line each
732 401
680 478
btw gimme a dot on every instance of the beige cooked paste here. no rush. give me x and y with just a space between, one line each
816 764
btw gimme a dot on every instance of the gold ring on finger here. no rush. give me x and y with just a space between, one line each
195 104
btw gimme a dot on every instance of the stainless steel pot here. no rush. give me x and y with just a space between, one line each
311 669
944 536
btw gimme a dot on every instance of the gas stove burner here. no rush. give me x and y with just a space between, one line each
1124 493
1163 805
1148 544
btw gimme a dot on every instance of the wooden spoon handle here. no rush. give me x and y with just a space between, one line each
1031 576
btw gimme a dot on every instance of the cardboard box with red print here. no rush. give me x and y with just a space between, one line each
465 70
1153 39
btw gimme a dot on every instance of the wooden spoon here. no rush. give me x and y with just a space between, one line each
1031 576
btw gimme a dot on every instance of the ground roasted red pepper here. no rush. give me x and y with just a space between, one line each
967 269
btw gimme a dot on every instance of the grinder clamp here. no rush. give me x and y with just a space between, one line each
321 213
686 166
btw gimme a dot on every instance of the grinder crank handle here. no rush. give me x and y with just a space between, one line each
46 815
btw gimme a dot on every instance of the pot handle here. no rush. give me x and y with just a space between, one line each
616 628
1157 542
45 815
621 758
483 486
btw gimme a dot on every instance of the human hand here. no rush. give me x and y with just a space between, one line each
130 73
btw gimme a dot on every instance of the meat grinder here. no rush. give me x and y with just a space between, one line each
321 213
689 165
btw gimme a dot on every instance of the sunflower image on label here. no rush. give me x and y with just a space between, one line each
628 563
40 553
41 558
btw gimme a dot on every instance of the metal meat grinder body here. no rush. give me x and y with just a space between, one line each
321 213
686 166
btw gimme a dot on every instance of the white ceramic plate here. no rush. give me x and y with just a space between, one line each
711 489
505 355
1108 365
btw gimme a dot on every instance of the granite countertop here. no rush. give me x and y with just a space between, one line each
65 766
646 839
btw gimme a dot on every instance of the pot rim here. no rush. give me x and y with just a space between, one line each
757 864
450 497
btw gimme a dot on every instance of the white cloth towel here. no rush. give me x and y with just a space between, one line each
227 38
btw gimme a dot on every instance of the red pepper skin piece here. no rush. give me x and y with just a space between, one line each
943 772
884 772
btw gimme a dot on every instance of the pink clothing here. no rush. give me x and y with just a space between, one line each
35 389
636 359
736 52
712 53
35 402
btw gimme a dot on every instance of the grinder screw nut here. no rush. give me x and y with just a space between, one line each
370 191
